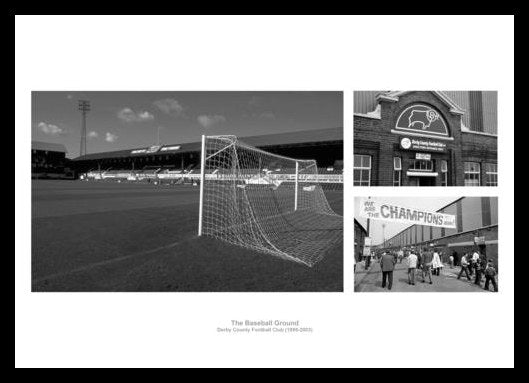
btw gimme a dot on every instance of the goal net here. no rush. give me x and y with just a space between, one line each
265 202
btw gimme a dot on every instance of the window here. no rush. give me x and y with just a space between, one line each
472 174
444 173
362 170
422 165
491 170
397 170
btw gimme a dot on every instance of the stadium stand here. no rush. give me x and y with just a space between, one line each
181 162
48 160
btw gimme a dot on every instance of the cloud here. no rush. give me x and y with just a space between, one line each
129 115
145 116
109 137
209 121
93 134
169 106
50 129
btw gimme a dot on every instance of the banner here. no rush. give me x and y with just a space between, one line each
389 212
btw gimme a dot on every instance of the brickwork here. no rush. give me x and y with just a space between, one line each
374 137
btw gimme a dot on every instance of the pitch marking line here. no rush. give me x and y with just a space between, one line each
107 262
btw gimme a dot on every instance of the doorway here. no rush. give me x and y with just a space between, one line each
421 181
426 181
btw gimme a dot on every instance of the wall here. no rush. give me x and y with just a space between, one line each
374 137
359 237
473 214
365 102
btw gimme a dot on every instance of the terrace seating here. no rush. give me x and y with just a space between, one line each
116 174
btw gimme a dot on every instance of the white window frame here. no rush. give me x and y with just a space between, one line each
361 168
491 173
444 172
421 169
467 172
397 171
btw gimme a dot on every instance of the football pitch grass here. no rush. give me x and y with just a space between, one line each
107 236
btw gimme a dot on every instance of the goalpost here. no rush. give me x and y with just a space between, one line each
265 202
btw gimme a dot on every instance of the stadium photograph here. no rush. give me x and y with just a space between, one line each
192 191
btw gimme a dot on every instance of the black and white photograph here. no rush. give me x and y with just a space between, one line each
187 191
228 191
426 244
425 138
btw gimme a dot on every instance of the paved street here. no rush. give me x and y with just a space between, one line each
371 280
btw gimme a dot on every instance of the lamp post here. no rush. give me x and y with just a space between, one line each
84 107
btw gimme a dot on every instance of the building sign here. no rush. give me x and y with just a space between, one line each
479 240
167 148
422 144
388 212
423 119
423 156
153 149
367 251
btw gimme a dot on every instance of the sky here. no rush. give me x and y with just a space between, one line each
124 120
375 229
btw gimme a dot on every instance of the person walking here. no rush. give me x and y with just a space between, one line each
474 262
490 276
367 261
427 260
436 263
470 264
418 253
412 267
451 261
387 265
481 265
464 267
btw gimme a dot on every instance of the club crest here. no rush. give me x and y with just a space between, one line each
422 119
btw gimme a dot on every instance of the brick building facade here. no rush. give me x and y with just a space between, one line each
48 160
476 228
418 138
360 235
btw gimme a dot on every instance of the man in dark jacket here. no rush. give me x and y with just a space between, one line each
490 276
481 266
426 263
387 265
